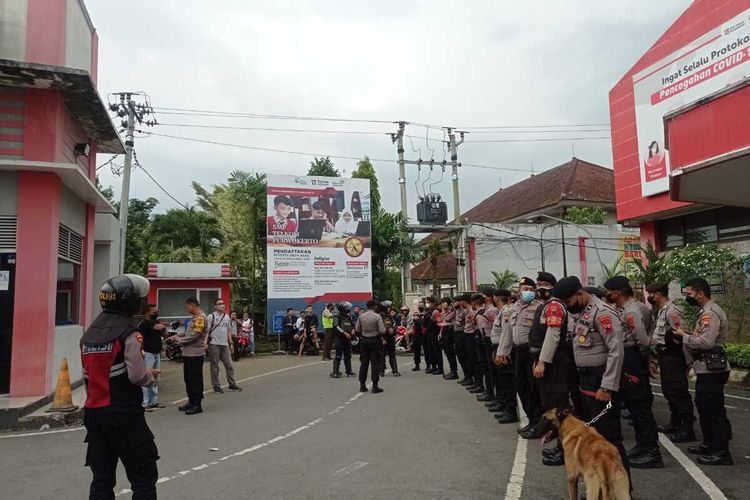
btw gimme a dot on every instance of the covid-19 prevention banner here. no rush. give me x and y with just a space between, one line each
704 66
318 243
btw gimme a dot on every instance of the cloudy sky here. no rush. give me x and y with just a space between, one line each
445 63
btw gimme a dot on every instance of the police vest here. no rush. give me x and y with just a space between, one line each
104 370
346 325
539 330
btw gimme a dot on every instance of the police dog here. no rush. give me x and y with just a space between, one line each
589 455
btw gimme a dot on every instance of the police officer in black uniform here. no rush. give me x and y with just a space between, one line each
114 371
389 339
343 329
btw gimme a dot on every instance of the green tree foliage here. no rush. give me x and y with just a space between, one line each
323 167
614 269
107 192
179 228
365 170
392 246
585 215
505 279
139 248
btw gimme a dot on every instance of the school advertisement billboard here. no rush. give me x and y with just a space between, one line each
318 241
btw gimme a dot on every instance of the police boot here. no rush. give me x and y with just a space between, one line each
451 376
362 388
336 367
532 433
700 449
466 382
553 456
718 457
484 398
416 368
348 367
375 388
686 434
194 410
649 459
476 389
635 451
183 407
670 428
506 417
428 370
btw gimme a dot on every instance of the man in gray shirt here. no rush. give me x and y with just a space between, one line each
218 324
193 341
371 327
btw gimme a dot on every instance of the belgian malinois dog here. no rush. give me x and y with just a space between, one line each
589 455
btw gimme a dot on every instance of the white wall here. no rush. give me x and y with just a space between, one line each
8 190
67 339
72 211
497 251
78 37
13 29
106 256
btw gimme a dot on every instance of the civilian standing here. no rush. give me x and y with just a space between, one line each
152 331
220 346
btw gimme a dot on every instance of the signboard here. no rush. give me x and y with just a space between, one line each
4 280
706 65
318 241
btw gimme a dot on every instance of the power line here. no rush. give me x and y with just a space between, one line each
544 139
301 153
135 158
536 126
266 129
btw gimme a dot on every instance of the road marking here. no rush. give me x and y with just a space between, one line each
713 491
349 469
256 377
42 433
515 482
725 406
725 394
255 447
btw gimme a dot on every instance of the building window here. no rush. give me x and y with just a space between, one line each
68 293
734 223
171 301
701 227
722 224
670 233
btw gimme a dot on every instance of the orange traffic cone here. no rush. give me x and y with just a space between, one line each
63 401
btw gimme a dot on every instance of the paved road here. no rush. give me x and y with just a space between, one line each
295 433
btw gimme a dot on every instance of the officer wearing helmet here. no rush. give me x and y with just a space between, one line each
114 372
389 339
343 328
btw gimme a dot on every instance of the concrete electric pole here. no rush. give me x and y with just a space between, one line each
130 111
398 138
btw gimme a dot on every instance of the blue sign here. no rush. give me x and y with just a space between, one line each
278 327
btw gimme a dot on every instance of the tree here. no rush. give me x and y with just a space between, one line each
365 170
392 246
191 228
433 252
585 215
107 192
505 279
650 271
323 167
139 247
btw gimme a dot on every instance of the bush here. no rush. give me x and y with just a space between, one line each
738 355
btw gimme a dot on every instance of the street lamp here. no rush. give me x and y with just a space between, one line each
562 236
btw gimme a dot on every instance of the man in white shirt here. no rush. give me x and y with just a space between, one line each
220 347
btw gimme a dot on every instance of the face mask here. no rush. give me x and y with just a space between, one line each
691 300
428 305
155 314
543 293
576 308
651 300
528 295
610 298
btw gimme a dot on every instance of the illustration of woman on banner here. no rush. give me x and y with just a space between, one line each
656 163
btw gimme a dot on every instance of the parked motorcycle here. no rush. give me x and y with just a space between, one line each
242 346
172 348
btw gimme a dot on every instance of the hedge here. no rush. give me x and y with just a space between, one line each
738 355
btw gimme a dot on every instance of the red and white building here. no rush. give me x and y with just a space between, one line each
681 131
173 283
52 124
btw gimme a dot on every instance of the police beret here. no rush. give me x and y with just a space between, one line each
616 283
501 292
658 286
525 281
548 277
595 290
567 287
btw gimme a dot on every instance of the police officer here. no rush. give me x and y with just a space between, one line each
705 347
193 341
598 351
521 320
548 344
418 340
458 336
672 365
476 302
505 377
501 297
371 327
485 355
448 338
343 330
389 339
434 351
114 371
635 386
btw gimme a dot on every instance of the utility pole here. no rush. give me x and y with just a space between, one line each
398 138
453 146
130 111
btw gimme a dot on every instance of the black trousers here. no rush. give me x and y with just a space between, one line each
712 414
371 356
419 344
526 386
460 348
553 387
609 424
120 436
471 358
674 385
435 351
192 370
482 345
635 389
343 350
505 387
289 342
389 351
449 345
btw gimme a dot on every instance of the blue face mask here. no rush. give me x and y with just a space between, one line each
528 295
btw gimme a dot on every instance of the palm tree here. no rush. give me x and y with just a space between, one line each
392 246
505 279
613 270
433 252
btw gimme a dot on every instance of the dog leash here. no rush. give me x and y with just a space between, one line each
605 410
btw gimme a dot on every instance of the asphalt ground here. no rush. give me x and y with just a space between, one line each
295 433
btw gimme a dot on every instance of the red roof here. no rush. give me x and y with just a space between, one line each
575 180
446 269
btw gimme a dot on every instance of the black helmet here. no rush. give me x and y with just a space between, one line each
124 294
344 306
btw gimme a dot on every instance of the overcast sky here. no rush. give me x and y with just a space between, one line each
447 63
